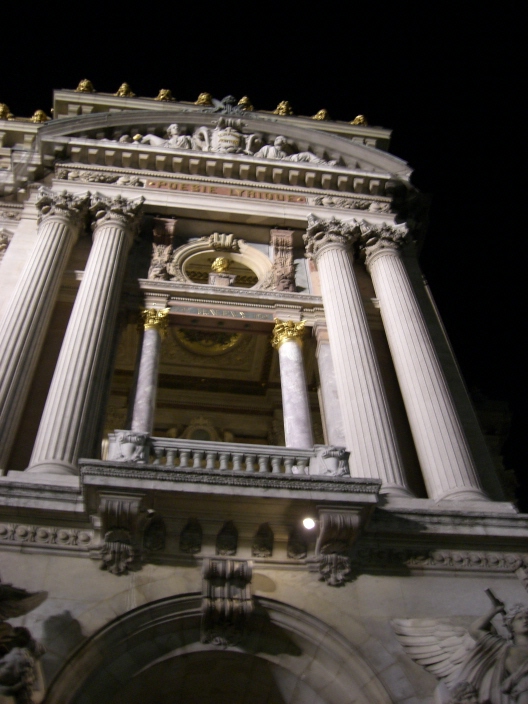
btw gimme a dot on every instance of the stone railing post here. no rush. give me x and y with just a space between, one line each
73 401
154 322
26 320
367 425
287 339
447 465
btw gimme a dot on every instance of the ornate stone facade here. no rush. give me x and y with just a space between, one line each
238 460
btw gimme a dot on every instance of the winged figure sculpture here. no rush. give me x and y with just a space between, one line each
475 665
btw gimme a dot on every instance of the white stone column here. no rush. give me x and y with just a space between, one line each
26 319
447 465
69 412
154 322
287 339
329 397
368 428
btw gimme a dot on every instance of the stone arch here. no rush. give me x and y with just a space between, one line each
287 657
243 253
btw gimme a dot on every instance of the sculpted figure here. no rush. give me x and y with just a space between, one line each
496 668
277 150
174 139
161 256
19 652
225 138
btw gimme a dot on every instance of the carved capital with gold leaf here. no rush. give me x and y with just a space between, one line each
286 330
155 319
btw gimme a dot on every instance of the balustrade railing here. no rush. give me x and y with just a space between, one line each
130 446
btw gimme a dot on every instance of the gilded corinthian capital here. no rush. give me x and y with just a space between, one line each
155 318
375 239
67 205
285 330
322 233
118 210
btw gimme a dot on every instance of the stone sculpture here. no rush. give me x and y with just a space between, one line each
160 262
475 659
174 139
19 652
277 150
225 138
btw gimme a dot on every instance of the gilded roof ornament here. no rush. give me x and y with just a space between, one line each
245 104
165 95
5 112
321 115
39 116
205 100
85 86
283 108
360 120
124 91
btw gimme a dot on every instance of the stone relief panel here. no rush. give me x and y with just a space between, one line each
486 663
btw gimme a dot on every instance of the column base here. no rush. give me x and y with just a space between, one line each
53 467
396 490
463 494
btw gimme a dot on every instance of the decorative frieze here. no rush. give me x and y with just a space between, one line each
21 533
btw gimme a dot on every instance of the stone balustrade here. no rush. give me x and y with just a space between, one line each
135 447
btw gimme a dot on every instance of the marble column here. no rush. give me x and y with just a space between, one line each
447 465
367 425
25 322
329 397
71 409
154 321
287 339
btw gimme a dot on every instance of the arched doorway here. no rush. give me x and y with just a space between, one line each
153 655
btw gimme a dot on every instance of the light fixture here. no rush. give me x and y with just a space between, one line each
309 523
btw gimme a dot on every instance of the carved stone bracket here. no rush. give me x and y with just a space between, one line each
338 530
227 603
128 531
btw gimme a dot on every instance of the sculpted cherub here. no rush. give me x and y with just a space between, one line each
478 657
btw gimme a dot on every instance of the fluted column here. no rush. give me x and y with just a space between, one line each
26 320
367 425
287 339
154 321
329 397
71 406
441 445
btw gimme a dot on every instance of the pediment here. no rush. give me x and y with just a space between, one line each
257 131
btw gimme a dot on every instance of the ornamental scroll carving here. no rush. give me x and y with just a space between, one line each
128 532
486 663
50 204
227 603
375 239
19 652
321 233
282 274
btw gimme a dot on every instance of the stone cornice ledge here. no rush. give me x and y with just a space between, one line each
291 486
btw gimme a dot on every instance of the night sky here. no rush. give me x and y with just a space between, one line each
444 77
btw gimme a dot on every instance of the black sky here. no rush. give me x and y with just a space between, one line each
445 77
